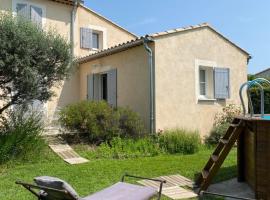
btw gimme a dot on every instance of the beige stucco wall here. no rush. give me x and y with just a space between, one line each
175 58
5 5
132 78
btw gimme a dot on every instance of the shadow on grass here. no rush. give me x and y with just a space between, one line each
224 173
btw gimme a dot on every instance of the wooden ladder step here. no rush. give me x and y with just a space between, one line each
224 141
214 158
219 155
205 174
234 125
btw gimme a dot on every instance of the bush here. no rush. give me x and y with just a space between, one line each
120 148
222 123
95 120
256 100
217 133
130 123
20 135
179 141
99 122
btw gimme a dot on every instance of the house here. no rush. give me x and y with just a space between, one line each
263 74
87 30
175 79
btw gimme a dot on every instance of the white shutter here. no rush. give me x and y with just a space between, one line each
222 83
97 87
112 87
86 38
22 10
36 15
90 87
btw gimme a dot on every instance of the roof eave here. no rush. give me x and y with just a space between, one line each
112 50
68 2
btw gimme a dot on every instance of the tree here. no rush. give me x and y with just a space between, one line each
32 61
251 77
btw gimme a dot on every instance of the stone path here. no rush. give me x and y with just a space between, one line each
176 186
62 149
232 187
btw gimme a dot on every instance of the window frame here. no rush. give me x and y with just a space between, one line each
102 75
102 36
203 96
14 9
98 34
203 64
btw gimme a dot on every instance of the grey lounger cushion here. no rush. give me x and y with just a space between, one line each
123 191
56 183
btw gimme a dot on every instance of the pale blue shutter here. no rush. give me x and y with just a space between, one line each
97 87
222 83
22 10
112 87
36 15
86 38
90 87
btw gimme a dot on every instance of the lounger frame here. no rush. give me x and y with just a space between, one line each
32 187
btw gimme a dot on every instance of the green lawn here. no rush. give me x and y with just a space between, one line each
97 174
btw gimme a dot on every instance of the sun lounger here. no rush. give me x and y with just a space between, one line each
51 188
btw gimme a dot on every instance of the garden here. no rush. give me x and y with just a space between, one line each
113 139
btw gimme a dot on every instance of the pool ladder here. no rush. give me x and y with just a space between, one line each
256 82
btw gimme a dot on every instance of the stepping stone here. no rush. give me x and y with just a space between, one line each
177 192
78 160
173 186
64 151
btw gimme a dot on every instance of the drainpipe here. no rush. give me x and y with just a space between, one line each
152 83
72 26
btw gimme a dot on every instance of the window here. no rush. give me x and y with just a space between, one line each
30 11
202 82
95 40
212 82
103 86
91 39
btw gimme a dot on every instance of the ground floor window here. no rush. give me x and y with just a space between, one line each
103 86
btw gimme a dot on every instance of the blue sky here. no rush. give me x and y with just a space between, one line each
245 22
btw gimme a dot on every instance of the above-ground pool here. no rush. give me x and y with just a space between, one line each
254 155
266 117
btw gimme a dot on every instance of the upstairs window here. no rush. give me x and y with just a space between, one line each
91 39
31 12
95 40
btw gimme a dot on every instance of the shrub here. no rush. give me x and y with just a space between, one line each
222 123
179 141
130 123
217 133
95 120
20 135
99 122
256 100
120 148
